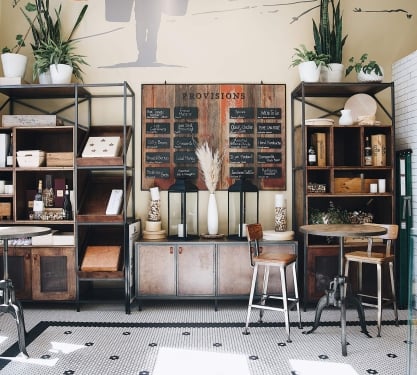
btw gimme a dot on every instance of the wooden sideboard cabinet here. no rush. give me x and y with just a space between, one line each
200 269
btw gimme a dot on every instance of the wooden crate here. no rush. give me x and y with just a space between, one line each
5 209
59 159
101 258
353 185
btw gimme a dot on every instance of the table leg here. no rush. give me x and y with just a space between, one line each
10 305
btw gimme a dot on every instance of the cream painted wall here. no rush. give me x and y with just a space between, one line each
220 41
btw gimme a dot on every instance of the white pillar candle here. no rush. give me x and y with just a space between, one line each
280 200
181 232
154 193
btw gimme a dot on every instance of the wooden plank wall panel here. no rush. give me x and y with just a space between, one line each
246 122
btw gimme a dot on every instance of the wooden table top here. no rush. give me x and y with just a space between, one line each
341 230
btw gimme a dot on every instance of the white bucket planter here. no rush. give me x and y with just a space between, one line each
60 73
14 64
309 71
332 73
370 77
45 78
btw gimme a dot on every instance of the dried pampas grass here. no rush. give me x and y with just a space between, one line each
210 165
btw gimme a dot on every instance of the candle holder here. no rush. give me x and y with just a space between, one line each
183 210
243 208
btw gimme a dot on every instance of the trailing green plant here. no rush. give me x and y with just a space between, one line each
302 54
49 44
328 36
361 65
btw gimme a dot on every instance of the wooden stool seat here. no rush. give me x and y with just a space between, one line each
267 260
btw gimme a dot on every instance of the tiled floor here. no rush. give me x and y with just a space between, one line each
102 339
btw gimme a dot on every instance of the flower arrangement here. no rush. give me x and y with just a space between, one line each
210 163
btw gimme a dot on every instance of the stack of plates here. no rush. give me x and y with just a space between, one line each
154 235
319 121
271 235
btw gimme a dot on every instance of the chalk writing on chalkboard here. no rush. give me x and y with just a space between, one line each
158 142
157 128
185 142
185 112
268 128
268 113
157 172
189 172
269 172
157 157
185 157
268 142
241 113
158 113
186 127
241 127
269 157
241 172
243 142
241 157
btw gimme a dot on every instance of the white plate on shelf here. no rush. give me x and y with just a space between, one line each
361 105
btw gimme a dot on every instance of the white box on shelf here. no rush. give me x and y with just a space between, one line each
63 239
115 202
4 148
98 147
30 158
10 121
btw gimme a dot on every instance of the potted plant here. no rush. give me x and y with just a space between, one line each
14 63
309 63
49 46
366 72
329 40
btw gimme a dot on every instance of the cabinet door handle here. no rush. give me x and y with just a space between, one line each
171 250
27 256
180 250
261 249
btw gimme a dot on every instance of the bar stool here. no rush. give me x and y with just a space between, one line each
378 259
282 261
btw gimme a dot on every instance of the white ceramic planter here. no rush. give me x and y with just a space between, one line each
14 64
332 73
60 73
309 71
45 78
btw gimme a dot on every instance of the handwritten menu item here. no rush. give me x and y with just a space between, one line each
245 122
241 157
241 113
158 128
158 142
158 113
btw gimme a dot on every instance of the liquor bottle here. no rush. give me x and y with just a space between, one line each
367 152
38 206
312 156
48 195
67 206
9 157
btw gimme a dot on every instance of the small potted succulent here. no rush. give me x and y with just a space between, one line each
366 71
309 63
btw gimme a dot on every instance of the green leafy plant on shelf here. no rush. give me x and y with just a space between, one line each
362 65
303 54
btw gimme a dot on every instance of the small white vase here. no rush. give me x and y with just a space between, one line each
212 215
346 118
14 64
45 78
60 73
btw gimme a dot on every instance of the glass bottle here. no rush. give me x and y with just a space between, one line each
312 156
38 206
367 152
67 206
9 157
48 195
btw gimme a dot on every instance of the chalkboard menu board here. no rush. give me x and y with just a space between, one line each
246 122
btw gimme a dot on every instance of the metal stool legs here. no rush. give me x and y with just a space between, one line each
262 306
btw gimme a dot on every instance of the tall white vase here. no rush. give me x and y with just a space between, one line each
212 215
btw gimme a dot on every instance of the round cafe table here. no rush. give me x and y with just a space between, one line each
9 304
336 294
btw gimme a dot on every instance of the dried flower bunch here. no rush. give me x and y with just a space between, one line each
210 165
